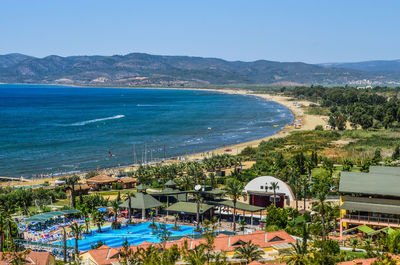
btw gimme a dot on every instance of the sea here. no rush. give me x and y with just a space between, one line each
48 129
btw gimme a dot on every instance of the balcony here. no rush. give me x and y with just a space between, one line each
371 220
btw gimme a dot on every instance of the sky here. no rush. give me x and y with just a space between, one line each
318 31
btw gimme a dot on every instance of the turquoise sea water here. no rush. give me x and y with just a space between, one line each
134 234
50 129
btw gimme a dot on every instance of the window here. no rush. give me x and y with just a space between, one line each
261 187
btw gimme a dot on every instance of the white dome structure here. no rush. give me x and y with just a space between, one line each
263 184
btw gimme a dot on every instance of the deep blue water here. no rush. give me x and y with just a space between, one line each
46 129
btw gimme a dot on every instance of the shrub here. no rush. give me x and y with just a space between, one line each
319 128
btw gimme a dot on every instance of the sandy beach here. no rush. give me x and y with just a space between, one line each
308 123
295 106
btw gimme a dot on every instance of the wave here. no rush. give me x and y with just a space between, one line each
81 123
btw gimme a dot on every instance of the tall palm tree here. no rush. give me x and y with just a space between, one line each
196 256
321 208
85 214
296 256
128 196
76 230
8 208
99 220
304 181
3 225
249 252
274 186
234 189
71 182
115 207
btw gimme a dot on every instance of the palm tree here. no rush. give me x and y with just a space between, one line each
305 184
99 220
85 214
128 196
115 207
71 182
249 252
76 230
3 224
321 208
274 186
297 256
234 189
196 256
354 244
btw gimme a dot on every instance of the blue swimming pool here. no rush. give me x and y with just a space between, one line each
135 234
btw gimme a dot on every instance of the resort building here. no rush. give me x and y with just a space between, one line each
370 201
261 193
100 181
127 182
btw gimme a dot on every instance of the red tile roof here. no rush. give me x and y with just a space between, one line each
227 243
33 257
104 255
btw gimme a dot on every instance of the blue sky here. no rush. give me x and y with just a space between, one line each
282 30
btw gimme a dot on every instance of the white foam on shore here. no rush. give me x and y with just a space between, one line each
81 123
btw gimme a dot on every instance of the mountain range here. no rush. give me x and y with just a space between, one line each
140 69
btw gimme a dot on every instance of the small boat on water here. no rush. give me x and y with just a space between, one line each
275 125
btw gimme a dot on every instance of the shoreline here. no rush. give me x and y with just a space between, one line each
308 123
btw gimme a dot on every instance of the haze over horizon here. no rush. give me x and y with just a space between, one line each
290 31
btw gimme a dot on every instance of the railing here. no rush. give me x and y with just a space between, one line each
373 219
41 245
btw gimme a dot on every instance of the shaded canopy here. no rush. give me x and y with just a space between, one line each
189 207
170 183
43 217
142 201
141 187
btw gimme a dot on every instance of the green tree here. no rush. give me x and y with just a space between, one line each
128 196
234 189
249 252
71 182
99 220
396 153
274 186
76 230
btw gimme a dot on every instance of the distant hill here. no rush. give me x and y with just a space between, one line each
12 59
139 69
370 66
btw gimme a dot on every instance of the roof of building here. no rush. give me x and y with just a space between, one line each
142 201
81 187
376 205
127 180
385 170
239 205
230 242
263 183
369 183
43 217
170 183
188 207
141 187
103 255
33 257
100 179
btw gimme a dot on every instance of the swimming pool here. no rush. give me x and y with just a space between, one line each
135 234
